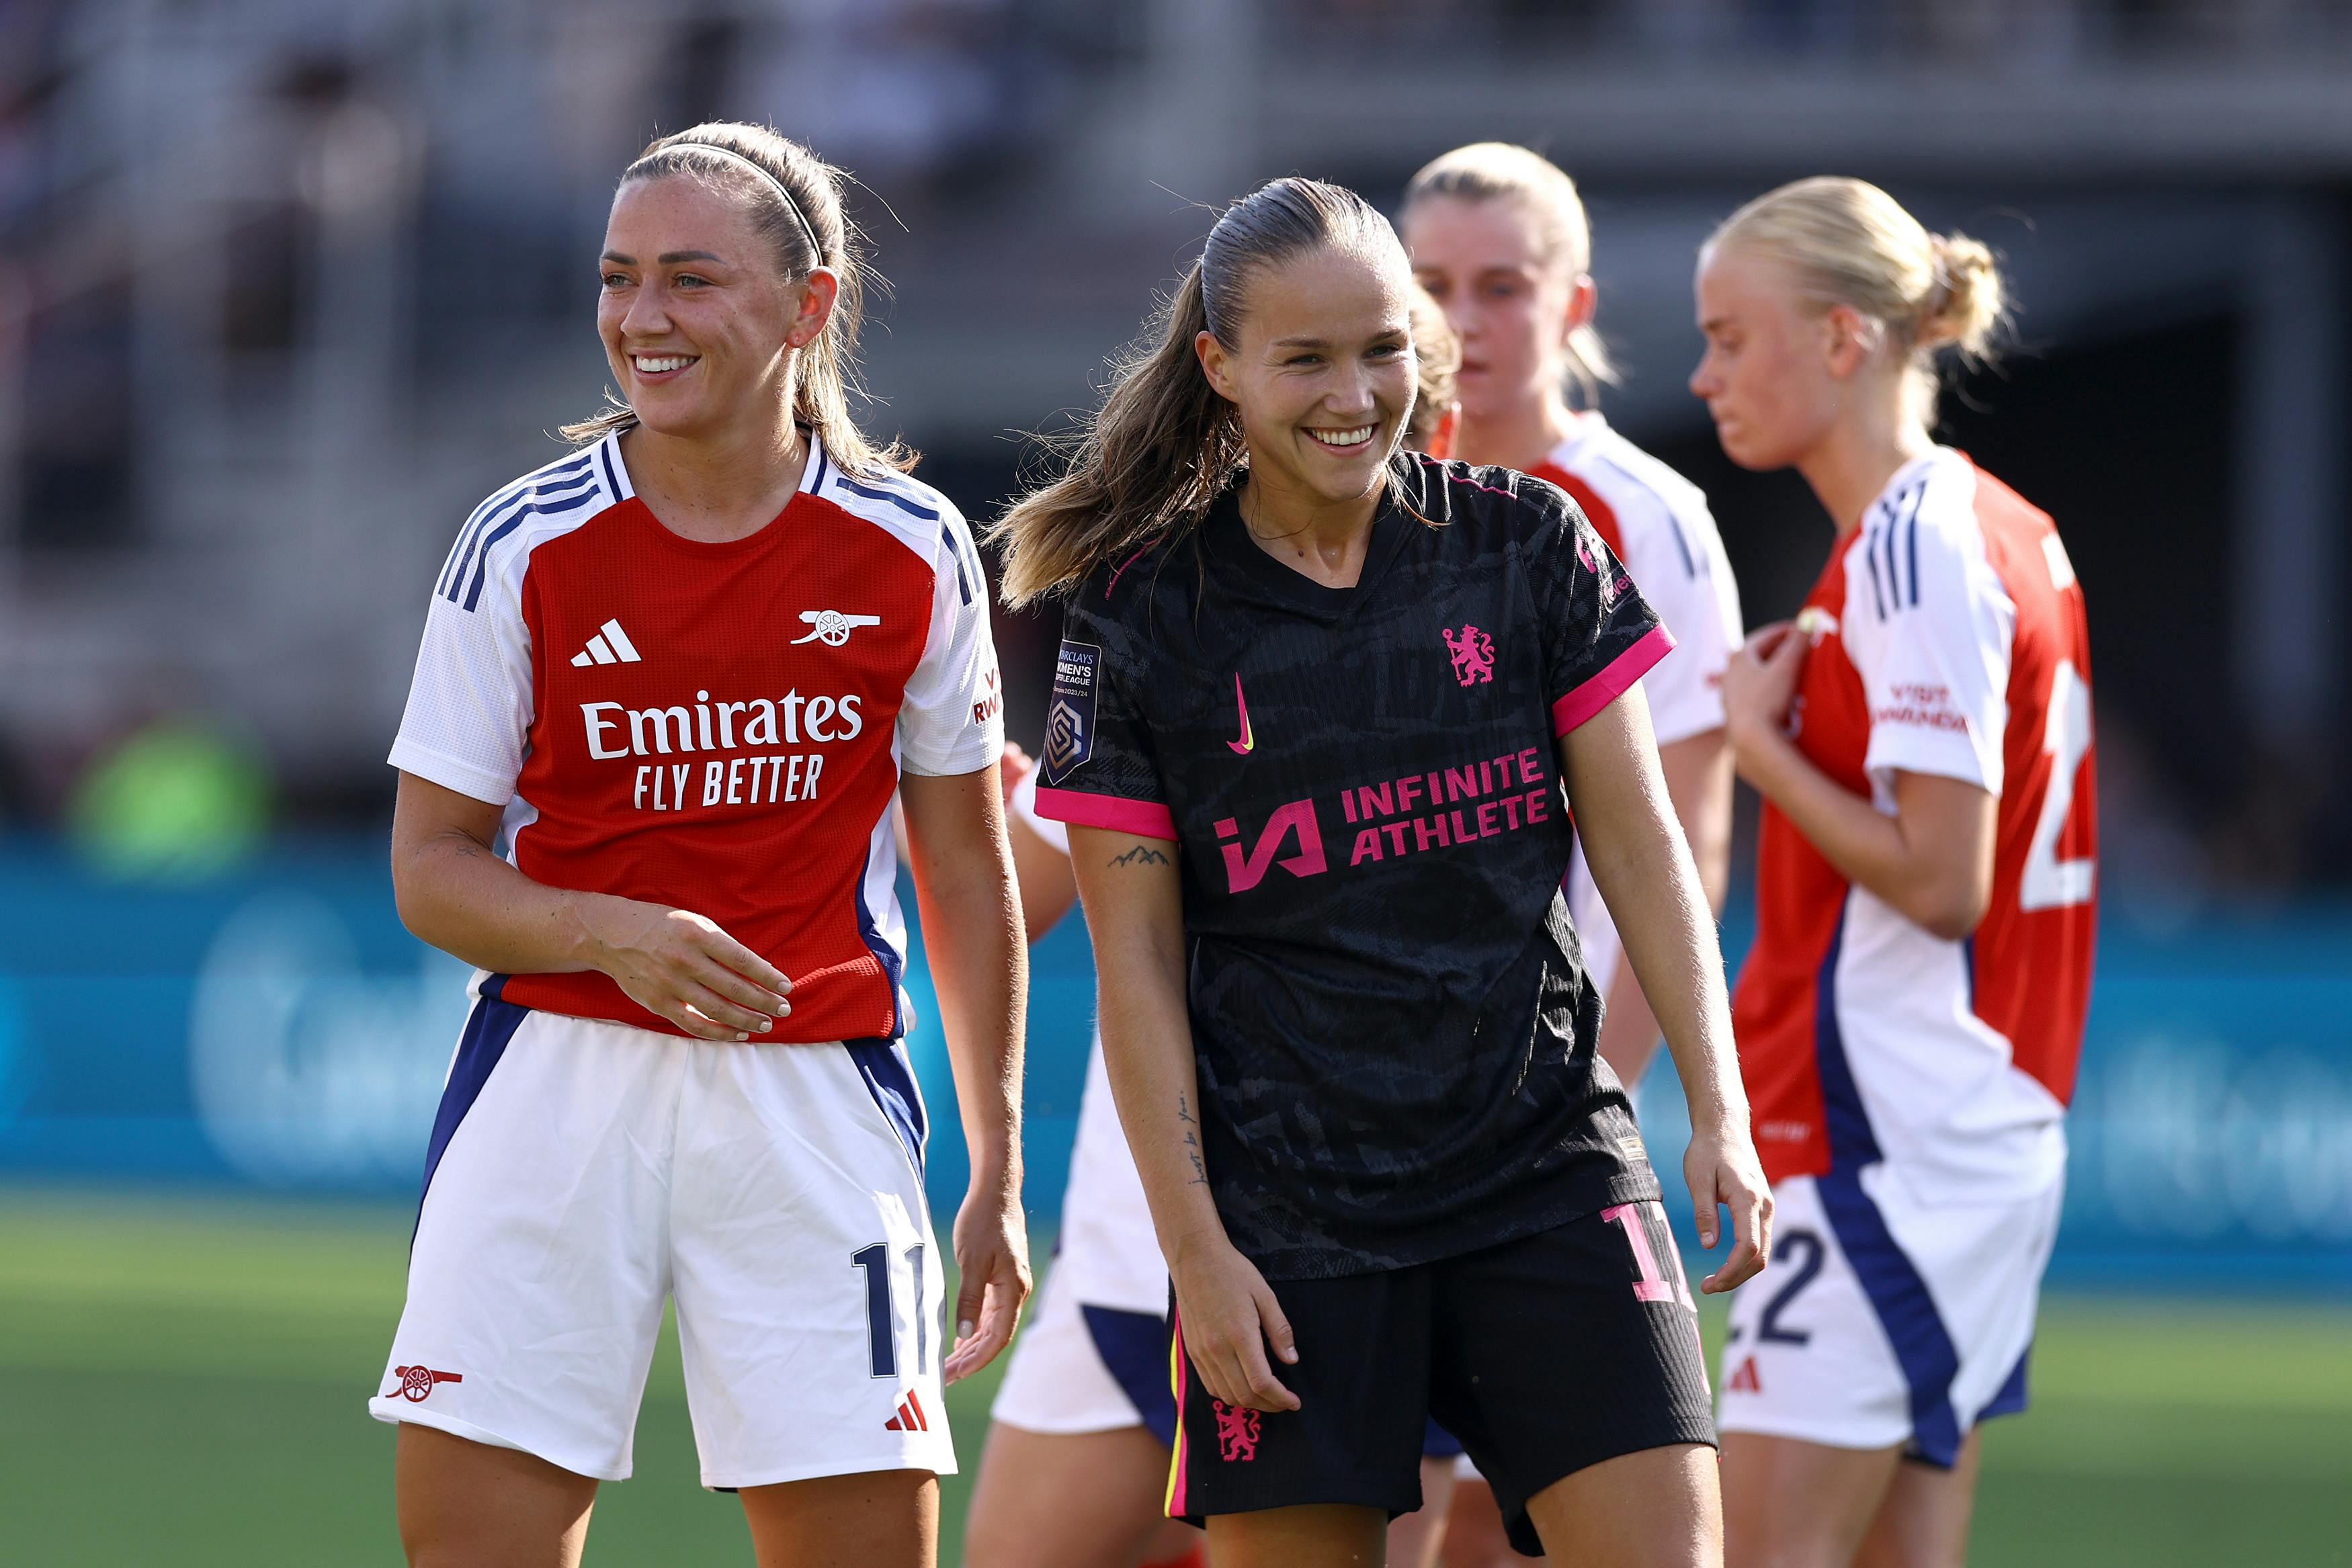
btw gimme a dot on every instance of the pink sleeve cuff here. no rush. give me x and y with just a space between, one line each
1614 682
1146 818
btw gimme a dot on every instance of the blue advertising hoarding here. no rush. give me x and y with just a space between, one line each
278 1029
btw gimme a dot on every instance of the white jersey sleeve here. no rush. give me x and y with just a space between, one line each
1674 554
952 718
1024 806
1681 569
1929 627
469 703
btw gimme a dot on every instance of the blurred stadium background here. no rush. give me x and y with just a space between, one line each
285 289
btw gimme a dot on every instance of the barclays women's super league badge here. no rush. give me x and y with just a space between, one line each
1070 716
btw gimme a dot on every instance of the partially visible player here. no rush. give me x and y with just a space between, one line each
1436 417
1313 709
1499 236
1075 1471
678 674
1909 1017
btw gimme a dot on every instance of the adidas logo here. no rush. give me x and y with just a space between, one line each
909 1418
611 645
1745 1380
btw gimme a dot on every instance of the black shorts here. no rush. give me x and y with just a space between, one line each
1542 1355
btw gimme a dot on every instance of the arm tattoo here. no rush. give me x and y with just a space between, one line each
1141 855
1192 1145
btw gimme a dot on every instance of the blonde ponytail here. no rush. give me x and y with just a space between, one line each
1847 242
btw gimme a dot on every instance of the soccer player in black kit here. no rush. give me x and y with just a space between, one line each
1316 703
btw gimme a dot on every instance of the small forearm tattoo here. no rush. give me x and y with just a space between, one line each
1141 855
1191 1142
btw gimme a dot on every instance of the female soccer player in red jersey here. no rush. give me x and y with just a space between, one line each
1076 1466
1909 1017
681 675
1314 707
1499 235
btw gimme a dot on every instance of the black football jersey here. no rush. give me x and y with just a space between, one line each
1393 1026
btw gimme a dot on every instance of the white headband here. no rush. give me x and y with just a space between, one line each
815 249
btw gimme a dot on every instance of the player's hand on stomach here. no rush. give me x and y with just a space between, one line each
1759 681
991 1251
681 965
1230 1318
1721 1168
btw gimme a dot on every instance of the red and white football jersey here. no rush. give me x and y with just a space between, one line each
1949 638
720 727
1657 523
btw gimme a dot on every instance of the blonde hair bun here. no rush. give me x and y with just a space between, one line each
1968 303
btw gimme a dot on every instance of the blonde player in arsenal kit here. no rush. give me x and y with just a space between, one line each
1499 236
681 674
1909 1017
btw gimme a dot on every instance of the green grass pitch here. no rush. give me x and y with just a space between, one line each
181 1381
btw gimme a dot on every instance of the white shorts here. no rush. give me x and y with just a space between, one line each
1087 1369
1094 1355
581 1173
1886 1318
1108 1252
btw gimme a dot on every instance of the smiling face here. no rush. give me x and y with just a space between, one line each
1323 371
1775 369
700 323
1514 306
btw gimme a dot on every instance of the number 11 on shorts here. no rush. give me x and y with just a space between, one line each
1652 1284
882 1316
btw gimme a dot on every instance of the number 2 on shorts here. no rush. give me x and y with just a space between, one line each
1803 1252
1653 1285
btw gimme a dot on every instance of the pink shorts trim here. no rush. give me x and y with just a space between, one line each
1612 683
1148 818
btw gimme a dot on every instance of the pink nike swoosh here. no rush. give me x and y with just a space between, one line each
1246 741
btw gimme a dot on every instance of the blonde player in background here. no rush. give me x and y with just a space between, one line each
1910 1015
1499 236
680 673
1499 239
1075 1471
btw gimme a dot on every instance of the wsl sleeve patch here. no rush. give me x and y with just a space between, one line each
1070 716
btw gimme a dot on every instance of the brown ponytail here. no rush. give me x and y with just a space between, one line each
1164 445
1437 358
799 204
